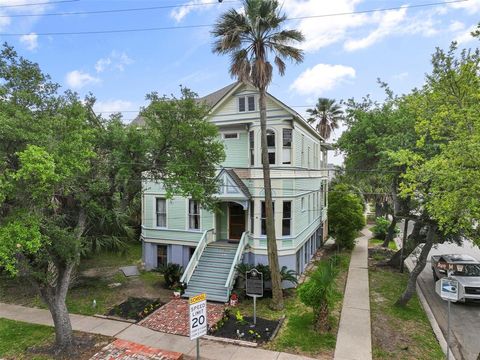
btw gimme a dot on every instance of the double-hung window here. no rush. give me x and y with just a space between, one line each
287 146
161 212
271 146
252 147
264 218
193 214
246 103
287 218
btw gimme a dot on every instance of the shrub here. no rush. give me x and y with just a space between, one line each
172 274
319 292
345 215
381 228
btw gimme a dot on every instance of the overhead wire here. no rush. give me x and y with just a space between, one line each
132 30
39 3
111 11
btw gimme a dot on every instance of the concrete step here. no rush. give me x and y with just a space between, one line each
208 281
206 290
214 259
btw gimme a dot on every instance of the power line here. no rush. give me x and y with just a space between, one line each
114 31
35 4
110 11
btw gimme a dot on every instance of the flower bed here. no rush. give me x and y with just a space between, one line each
135 308
242 328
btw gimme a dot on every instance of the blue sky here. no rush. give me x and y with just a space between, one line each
344 55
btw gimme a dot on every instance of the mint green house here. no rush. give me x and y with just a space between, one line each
208 245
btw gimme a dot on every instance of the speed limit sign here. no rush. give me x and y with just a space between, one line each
198 316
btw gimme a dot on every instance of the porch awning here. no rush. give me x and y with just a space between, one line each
232 188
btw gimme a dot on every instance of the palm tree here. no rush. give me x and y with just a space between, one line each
328 114
250 38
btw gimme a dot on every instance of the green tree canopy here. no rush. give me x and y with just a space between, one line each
70 181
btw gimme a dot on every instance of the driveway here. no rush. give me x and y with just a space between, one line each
464 318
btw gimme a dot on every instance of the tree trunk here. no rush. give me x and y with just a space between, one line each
277 294
413 240
54 295
378 208
421 262
321 318
390 232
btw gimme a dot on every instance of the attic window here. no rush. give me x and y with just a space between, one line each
246 103
230 135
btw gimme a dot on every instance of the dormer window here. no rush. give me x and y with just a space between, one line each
246 103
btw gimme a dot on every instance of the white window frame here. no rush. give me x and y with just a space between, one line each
302 203
290 219
263 204
189 215
155 202
287 148
246 103
224 135
272 149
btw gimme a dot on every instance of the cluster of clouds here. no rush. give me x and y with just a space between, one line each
354 32
115 61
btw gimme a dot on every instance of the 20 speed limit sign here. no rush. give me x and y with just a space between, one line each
198 316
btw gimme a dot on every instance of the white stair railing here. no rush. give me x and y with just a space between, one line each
236 260
206 239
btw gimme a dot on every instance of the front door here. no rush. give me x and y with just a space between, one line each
236 221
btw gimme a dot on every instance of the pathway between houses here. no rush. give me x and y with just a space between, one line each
210 350
354 340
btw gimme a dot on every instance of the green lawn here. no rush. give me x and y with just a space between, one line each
377 242
93 278
297 334
398 333
16 337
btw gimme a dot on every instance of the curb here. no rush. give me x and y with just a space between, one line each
428 310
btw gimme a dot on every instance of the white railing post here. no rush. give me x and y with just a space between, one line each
197 254
236 260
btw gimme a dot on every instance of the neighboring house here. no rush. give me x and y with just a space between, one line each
208 245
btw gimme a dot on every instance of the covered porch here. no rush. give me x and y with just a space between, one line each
235 214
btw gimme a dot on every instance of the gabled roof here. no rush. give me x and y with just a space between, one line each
212 99
232 185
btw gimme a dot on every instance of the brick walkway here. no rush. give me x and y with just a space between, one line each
126 350
173 317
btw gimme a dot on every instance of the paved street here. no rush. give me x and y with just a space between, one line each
465 318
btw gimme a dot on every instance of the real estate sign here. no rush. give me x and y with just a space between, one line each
198 316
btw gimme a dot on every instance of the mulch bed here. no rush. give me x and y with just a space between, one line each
173 317
86 345
135 308
233 329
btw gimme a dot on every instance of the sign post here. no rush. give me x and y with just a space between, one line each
198 319
254 288
447 288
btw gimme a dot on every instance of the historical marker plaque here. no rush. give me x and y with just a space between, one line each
254 283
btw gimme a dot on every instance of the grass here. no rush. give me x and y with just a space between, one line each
103 269
377 242
297 334
397 332
16 337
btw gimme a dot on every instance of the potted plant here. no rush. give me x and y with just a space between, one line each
177 290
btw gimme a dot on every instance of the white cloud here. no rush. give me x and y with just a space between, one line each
116 60
324 31
77 79
30 41
471 6
465 36
112 106
180 13
456 26
322 78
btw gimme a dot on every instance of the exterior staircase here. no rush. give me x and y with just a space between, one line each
212 272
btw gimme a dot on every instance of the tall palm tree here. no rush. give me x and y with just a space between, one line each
251 37
328 114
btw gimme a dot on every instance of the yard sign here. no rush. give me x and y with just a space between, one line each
198 316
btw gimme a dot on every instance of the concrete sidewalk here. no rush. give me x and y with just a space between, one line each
210 350
354 340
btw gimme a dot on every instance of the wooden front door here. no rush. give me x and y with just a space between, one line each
236 221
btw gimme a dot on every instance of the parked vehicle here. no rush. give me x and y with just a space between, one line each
463 268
